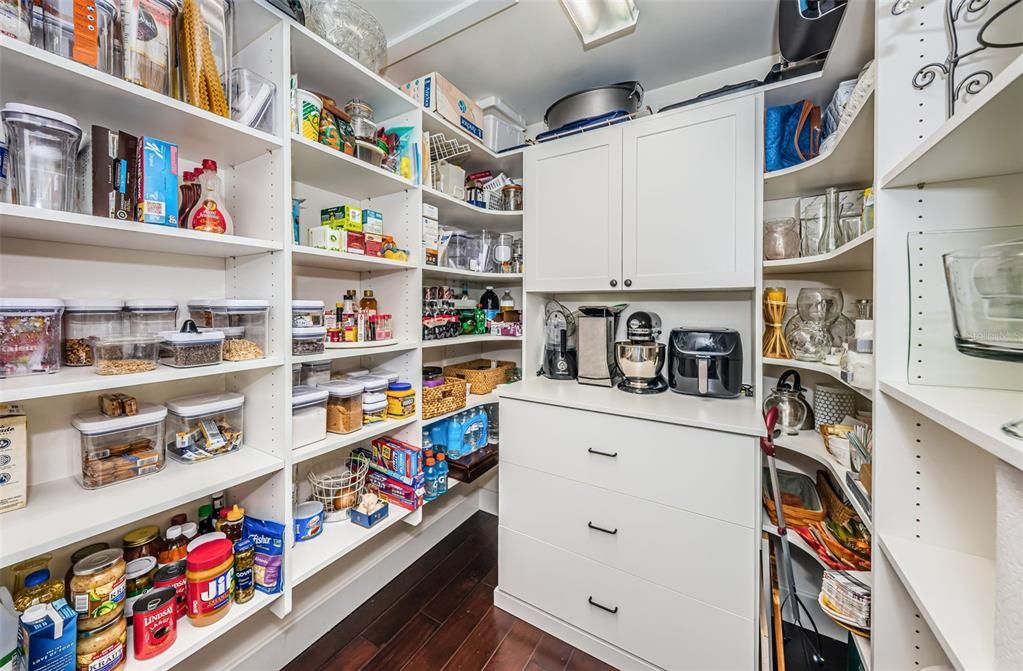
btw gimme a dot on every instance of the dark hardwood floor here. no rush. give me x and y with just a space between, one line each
439 614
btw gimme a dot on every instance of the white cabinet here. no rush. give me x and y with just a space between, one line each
689 198
573 213
666 202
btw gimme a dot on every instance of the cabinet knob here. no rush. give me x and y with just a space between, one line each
628 283
614 283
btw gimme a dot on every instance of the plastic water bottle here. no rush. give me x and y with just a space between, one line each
431 484
455 428
442 474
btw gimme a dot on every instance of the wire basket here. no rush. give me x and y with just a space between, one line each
443 149
339 488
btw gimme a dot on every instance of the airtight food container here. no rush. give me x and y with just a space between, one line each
150 317
115 449
120 355
30 335
253 315
315 373
85 319
372 383
187 350
344 406
204 426
308 415
375 412
308 340
306 313
201 312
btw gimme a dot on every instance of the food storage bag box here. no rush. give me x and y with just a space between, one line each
394 491
157 190
308 415
306 313
325 237
343 216
113 173
47 637
437 94
114 449
398 459
13 456
204 426
30 335
252 315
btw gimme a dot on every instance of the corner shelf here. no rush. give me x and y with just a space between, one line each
334 353
826 369
356 263
857 254
320 166
795 540
472 340
471 275
451 211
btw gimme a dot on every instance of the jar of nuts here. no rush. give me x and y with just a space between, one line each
85 319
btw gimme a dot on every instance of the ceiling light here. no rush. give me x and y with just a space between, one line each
601 20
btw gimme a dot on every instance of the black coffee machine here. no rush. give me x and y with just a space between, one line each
705 362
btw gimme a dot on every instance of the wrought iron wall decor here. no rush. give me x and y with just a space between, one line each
957 12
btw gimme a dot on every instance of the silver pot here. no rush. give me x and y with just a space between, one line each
640 360
593 102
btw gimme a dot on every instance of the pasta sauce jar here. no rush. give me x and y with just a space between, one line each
210 581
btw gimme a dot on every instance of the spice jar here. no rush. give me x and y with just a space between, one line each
84 319
781 239
97 588
150 317
210 581
141 542
102 647
244 567
344 406
384 330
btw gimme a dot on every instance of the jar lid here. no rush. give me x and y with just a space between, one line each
173 532
512 187
169 572
399 386
205 538
31 303
432 371
93 305
391 376
374 407
84 634
82 553
241 304
36 577
189 529
343 388
304 394
308 509
96 422
178 337
150 305
306 305
100 561
373 398
140 566
22 108
209 555
308 331
141 536
243 545
205 404
200 303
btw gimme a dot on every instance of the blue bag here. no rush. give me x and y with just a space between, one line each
792 134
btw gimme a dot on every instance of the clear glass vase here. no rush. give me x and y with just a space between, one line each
781 239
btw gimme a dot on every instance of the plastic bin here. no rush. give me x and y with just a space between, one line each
344 406
373 413
182 349
308 415
316 373
115 449
150 317
200 311
30 334
43 148
305 313
121 355
85 319
204 426
252 100
251 315
308 340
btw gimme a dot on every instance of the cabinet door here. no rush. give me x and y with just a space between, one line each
689 198
572 216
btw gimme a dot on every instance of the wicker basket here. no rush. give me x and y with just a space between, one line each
483 374
803 514
444 398
339 488
839 512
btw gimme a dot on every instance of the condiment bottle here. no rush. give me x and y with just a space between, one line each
231 526
219 502
39 588
349 324
189 530
174 547
210 213
244 567
368 304
206 524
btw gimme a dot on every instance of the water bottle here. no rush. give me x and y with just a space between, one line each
442 474
431 484
455 437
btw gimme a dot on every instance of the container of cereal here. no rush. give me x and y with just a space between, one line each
315 373
30 333
189 347
150 317
97 588
204 426
344 406
308 415
307 340
306 313
114 449
120 355
252 315
85 319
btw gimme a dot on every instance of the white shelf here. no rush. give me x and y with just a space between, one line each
37 77
192 639
983 139
85 379
61 512
336 540
335 441
32 223
452 212
320 166
955 593
481 158
856 254
471 401
862 644
826 369
795 540
974 414
356 263
850 163
471 340
330 354
471 275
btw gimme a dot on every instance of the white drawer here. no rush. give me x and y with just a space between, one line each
705 472
704 558
657 625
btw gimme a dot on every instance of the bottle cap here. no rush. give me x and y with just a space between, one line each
431 461
205 510
173 532
209 164
236 513
440 456
37 577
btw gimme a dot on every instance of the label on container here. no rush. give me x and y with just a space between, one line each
106 659
208 217
243 579
211 594
86 27
155 629
99 600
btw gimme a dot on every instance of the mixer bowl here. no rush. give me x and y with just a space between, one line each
640 360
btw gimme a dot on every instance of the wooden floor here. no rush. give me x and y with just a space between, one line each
439 614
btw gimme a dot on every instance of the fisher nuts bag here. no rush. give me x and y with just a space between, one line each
268 537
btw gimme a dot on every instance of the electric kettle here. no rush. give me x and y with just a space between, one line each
794 412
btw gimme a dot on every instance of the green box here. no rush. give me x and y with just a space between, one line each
344 216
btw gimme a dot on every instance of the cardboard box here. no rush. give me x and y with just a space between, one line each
374 244
394 491
430 211
13 457
372 222
343 216
398 459
355 243
325 237
437 94
48 643
113 173
157 187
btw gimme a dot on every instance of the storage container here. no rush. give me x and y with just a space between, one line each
307 340
120 355
344 406
308 415
500 134
200 311
253 315
306 313
315 373
30 334
296 374
16 19
85 319
204 426
388 375
114 449
149 43
308 520
43 149
371 383
95 31
150 317
252 100
401 400
185 349
375 412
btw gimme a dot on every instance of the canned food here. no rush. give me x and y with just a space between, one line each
155 623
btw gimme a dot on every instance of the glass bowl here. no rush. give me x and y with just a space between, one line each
985 289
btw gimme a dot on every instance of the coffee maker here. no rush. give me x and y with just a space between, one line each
597 325
641 357
559 355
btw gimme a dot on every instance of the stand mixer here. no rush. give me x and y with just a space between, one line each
641 357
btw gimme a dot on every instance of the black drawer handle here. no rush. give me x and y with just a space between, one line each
607 531
613 611
603 454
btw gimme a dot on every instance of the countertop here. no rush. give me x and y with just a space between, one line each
730 415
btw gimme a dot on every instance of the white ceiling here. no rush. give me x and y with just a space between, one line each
530 55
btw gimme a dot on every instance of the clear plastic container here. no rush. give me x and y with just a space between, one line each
43 150
316 373
296 374
115 449
253 316
180 349
308 340
151 317
16 19
30 335
344 406
99 30
85 319
200 310
204 426
308 415
120 355
149 43
305 313
388 375
252 100
372 413
204 32
372 383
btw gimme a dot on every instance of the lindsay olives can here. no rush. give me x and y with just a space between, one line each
155 622
173 576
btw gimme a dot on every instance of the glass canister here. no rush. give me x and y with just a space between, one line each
350 28
813 216
150 317
808 333
362 118
781 238
985 287
85 319
149 43
512 197
43 148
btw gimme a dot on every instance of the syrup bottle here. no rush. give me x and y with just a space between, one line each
210 213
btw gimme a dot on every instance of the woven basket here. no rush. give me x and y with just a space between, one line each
483 374
796 515
837 510
444 398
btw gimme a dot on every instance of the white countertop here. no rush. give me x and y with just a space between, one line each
730 415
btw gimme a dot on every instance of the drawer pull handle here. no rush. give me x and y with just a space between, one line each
607 531
613 611
603 454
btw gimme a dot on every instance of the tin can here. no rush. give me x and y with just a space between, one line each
155 622
173 576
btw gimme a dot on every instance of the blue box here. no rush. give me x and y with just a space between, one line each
372 222
364 520
47 643
157 192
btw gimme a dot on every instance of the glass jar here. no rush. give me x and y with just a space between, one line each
149 317
115 449
809 332
98 589
30 335
512 197
813 216
864 308
781 239
344 406
141 542
832 235
244 570
85 318
362 118
204 426
384 328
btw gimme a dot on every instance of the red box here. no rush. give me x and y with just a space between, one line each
394 491
374 244
355 242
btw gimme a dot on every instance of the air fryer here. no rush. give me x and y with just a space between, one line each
705 362
806 33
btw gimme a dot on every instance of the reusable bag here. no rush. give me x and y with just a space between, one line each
792 134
